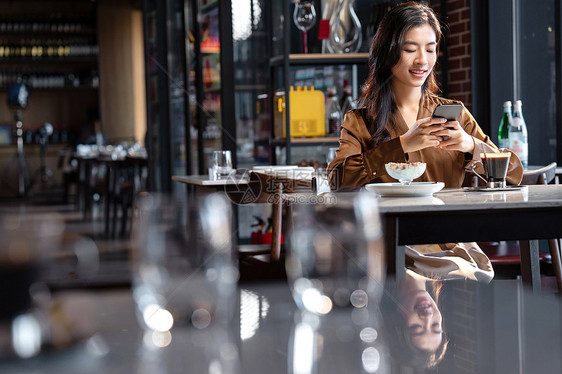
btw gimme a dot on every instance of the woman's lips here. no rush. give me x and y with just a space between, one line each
418 73
423 305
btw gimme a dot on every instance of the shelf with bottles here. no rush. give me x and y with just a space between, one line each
34 52
47 24
48 31
48 79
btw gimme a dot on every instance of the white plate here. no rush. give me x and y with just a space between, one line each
397 189
419 200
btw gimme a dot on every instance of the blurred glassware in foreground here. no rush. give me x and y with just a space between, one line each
318 343
27 242
336 255
184 271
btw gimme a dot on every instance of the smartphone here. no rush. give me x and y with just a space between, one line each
449 111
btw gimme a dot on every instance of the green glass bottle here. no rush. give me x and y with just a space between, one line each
503 133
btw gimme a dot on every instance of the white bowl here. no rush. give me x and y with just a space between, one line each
405 172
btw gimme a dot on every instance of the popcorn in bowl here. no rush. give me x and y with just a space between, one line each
405 172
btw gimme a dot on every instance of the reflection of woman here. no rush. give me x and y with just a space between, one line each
414 323
394 124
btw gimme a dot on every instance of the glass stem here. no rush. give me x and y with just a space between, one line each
304 42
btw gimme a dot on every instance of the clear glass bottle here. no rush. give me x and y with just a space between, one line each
518 141
503 133
333 114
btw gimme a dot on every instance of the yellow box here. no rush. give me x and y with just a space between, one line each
307 113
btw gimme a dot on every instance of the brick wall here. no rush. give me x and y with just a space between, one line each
458 48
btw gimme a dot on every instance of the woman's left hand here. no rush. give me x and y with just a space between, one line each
455 138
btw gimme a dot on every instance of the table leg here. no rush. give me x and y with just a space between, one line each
81 188
395 254
87 190
530 268
108 197
190 191
277 224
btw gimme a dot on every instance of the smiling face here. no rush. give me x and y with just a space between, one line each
425 323
417 58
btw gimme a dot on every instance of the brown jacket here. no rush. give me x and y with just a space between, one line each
358 162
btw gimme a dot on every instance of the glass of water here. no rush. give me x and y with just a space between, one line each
222 163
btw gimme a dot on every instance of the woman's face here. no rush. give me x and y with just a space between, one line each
424 320
417 57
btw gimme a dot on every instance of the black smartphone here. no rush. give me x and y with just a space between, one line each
449 111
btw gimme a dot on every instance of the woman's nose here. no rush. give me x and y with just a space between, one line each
421 58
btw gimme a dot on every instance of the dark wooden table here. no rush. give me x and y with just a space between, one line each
456 215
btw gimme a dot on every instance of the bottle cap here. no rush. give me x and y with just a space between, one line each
507 103
518 103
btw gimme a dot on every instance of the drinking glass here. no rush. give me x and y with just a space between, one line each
28 242
304 17
495 167
331 155
222 163
336 257
184 272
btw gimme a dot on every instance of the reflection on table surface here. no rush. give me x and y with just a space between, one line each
535 196
496 328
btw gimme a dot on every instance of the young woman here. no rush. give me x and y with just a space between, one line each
394 124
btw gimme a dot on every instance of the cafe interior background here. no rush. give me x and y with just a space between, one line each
185 77
189 77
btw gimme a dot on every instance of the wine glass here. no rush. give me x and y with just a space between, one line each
183 272
304 18
336 256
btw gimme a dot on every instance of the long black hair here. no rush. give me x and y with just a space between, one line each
378 95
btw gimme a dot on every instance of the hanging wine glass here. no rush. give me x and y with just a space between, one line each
304 18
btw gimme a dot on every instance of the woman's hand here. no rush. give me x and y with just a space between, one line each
455 138
423 134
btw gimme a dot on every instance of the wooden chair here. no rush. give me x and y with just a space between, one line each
132 178
506 254
274 189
